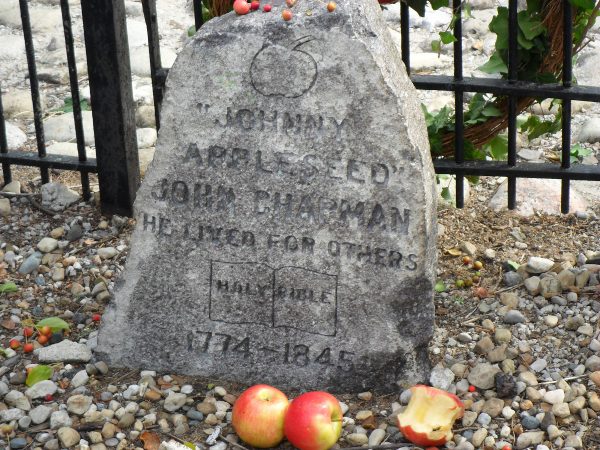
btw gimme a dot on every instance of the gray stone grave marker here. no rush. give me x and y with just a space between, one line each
286 227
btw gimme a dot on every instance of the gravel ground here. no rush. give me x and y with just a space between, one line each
546 345
525 335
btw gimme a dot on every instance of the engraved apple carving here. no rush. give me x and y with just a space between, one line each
287 71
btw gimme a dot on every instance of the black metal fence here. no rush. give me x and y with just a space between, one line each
513 89
113 114
114 121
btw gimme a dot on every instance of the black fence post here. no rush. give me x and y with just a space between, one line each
112 104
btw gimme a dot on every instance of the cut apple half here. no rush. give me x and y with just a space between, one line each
429 416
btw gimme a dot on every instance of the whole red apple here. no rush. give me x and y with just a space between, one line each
258 416
429 416
314 421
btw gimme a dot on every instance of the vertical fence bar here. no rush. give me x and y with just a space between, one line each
459 125
34 85
112 99
567 78
74 83
149 8
513 61
405 34
4 144
198 19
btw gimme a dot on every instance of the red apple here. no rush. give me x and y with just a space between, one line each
429 416
258 416
314 421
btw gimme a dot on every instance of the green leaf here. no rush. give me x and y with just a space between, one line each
491 111
530 26
55 323
190 445
446 195
523 41
536 127
38 373
584 4
498 148
436 46
467 11
8 287
437 4
447 37
499 26
494 65
513 265
440 286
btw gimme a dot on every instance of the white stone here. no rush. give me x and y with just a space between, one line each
40 414
107 252
8 415
14 187
554 397
4 207
62 128
64 351
18 400
146 137
57 197
79 404
590 131
80 379
59 419
41 389
538 265
15 138
47 245
69 149
533 195
174 401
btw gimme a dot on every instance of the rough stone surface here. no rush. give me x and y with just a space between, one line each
57 197
287 220
64 351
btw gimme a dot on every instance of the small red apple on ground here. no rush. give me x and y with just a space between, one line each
254 5
14 344
42 339
429 416
331 6
96 317
28 348
314 421
46 331
241 7
287 15
27 332
267 8
258 416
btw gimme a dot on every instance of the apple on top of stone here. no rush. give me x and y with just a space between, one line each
243 7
